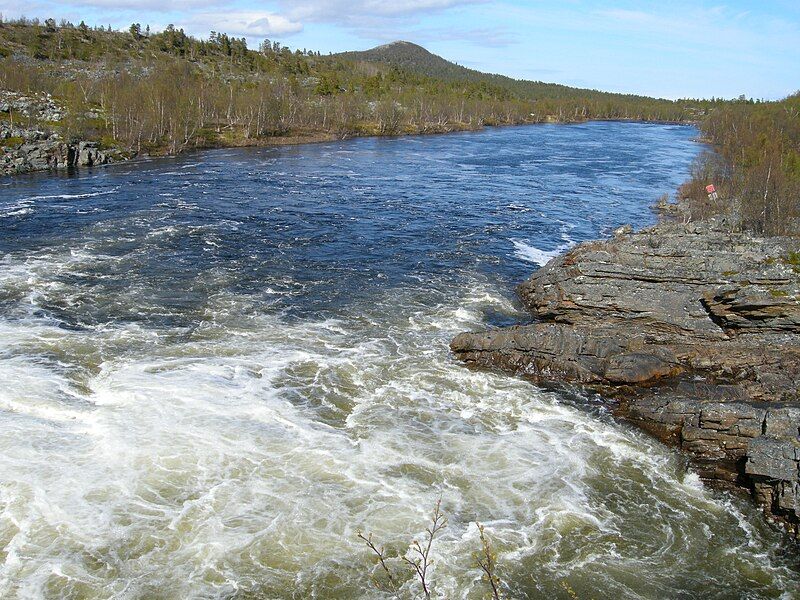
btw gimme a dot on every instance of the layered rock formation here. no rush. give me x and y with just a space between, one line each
690 331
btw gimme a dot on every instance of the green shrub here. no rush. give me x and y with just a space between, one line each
12 142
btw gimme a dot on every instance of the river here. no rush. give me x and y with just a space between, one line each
216 369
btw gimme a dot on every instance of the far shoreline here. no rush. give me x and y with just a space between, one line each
300 138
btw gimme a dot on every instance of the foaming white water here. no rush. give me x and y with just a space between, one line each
25 206
71 196
241 460
17 209
529 253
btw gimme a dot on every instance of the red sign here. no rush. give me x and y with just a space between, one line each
710 189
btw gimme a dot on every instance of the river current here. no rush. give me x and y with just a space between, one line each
216 369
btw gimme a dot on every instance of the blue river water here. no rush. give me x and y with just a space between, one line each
216 368
327 224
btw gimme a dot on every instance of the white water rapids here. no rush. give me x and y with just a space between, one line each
211 381
243 460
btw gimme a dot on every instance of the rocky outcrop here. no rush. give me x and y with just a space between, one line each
690 331
40 107
53 153
30 141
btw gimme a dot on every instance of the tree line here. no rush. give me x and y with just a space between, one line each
755 166
168 91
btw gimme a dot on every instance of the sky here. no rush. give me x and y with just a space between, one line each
670 49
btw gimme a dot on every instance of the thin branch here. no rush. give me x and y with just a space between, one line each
487 561
381 554
420 565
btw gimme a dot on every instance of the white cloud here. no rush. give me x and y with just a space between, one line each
373 19
359 12
139 5
197 16
252 24
482 37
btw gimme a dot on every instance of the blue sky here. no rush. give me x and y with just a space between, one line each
672 49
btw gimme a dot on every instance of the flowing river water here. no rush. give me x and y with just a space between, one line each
216 369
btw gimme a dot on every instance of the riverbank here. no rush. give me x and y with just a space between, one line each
37 140
33 137
35 152
690 331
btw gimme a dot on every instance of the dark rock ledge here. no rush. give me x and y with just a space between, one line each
690 331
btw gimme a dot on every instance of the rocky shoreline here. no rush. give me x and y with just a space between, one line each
690 331
30 139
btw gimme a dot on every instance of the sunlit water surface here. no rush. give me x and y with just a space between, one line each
216 369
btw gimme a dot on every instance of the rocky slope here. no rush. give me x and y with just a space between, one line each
30 138
690 331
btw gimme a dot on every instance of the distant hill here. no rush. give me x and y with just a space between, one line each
416 59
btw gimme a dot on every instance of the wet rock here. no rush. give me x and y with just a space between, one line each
691 329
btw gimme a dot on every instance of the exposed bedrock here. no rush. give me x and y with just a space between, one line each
691 332
40 153
30 138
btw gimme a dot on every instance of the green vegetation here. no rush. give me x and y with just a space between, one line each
167 91
793 258
11 142
559 102
756 167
